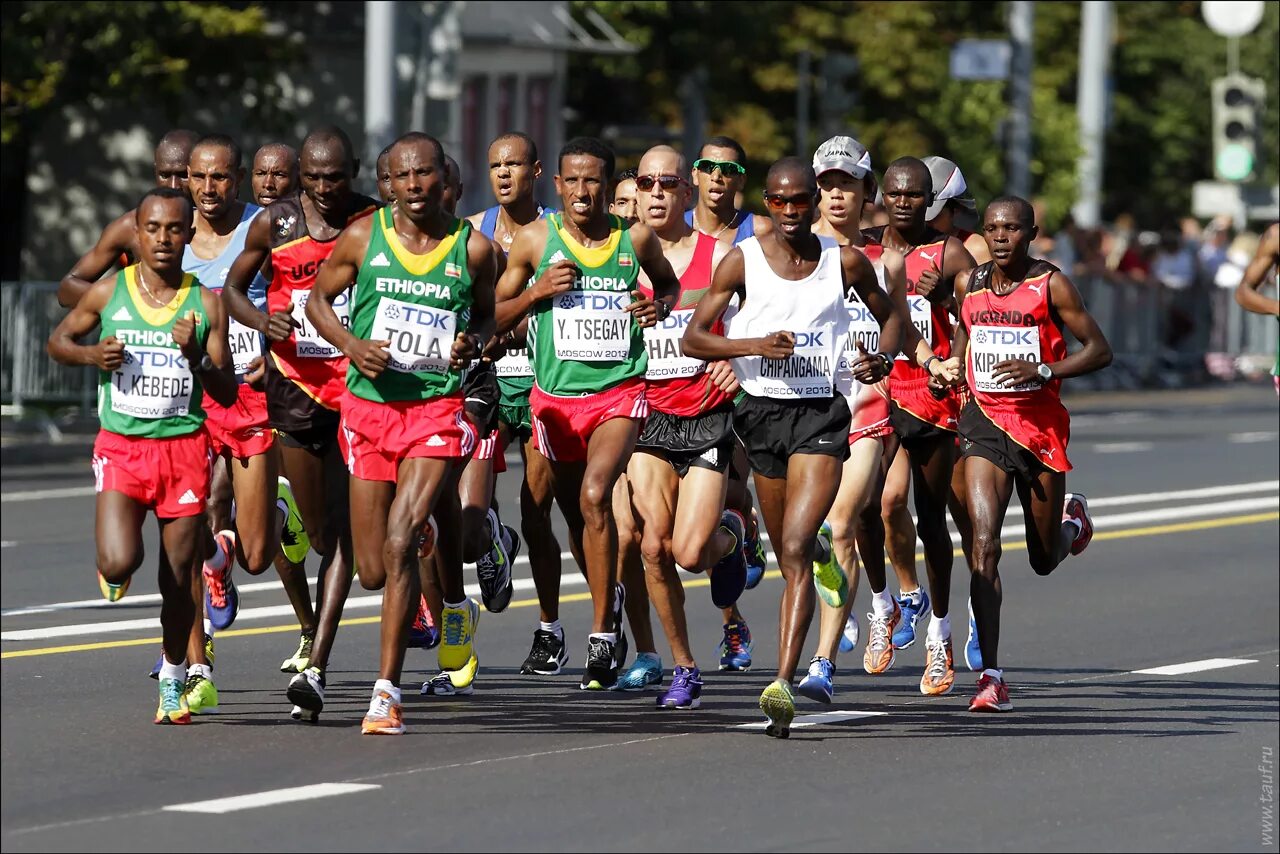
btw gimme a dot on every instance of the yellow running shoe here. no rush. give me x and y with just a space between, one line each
779 706
828 576
113 592
173 704
458 627
200 694
453 683
939 675
294 541
301 658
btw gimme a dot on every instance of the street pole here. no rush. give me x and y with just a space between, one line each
379 79
1091 108
1021 29
802 102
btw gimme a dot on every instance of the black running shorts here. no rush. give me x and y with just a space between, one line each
912 430
480 390
703 441
773 430
981 438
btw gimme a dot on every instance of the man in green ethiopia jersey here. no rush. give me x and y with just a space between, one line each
422 310
163 344
574 274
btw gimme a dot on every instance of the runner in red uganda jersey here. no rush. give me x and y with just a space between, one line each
305 373
1014 430
925 423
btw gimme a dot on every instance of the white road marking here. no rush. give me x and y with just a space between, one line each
1122 447
1250 438
820 718
42 494
272 798
1194 666
1181 494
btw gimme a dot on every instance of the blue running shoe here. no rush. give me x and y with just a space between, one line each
685 691
817 686
735 649
852 631
423 633
912 614
972 651
221 599
729 577
646 671
756 560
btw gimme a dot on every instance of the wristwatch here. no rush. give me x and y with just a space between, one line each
886 361
1044 372
664 310
206 364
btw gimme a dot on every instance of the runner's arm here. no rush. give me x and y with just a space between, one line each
220 382
976 245
1247 292
333 278
1065 301
83 318
115 239
470 344
860 277
235 291
663 279
513 299
699 342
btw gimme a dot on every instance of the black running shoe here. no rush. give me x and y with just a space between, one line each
619 601
602 667
547 656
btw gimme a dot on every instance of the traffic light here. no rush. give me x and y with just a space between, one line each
1237 105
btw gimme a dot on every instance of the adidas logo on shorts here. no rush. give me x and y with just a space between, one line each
436 442
380 260
122 314
188 497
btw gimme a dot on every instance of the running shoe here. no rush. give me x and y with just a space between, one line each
113 592
852 631
426 540
685 691
735 648
729 576
452 683
818 684
879 656
300 714
208 657
511 542
307 690
913 612
992 696
646 671
458 642
939 675
1076 507
221 599
972 649
601 673
779 706
385 717
173 705
756 560
423 633
547 655
201 695
493 570
301 657
619 627
294 541
828 575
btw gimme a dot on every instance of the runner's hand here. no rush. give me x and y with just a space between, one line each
948 371
1015 372
556 279
464 351
776 345
495 349
868 368
184 335
643 309
108 354
280 324
928 281
938 388
370 357
722 376
257 373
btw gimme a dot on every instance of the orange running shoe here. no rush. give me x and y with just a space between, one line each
879 655
992 696
938 675
385 716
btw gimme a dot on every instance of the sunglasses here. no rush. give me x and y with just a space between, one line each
777 203
728 168
666 182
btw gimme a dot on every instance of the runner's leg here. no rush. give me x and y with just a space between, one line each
989 488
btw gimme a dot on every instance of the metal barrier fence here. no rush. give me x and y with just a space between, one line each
1132 316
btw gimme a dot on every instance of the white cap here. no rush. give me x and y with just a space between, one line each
843 153
948 185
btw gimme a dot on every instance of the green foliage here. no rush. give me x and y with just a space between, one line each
122 54
1158 140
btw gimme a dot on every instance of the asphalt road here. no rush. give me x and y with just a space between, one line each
1095 756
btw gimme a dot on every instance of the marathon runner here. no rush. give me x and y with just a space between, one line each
422 310
163 344
382 171
305 372
719 174
274 173
1015 429
574 274
1265 260
624 204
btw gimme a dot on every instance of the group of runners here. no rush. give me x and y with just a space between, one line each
323 371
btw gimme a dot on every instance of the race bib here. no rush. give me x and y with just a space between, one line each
421 336
245 343
991 345
153 382
666 357
921 318
514 364
310 344
810 370
863 327
592 326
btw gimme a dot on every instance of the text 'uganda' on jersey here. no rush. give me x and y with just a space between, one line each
418 303
584 341
153 394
